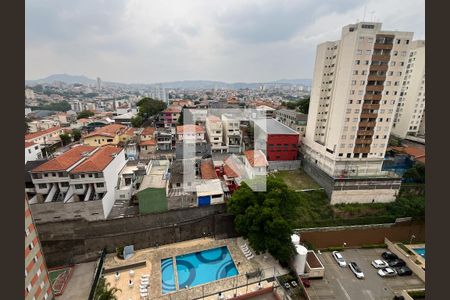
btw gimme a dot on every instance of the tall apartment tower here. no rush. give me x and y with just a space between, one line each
410 114
356 86
37 285
99 83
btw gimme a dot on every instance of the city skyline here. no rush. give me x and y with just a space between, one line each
140 42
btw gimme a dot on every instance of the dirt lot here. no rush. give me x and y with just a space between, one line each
340 283
297 179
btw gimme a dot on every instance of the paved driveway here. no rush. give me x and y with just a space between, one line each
340 283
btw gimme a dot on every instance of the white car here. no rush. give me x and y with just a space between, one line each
356 270
339 259
379 264
387 272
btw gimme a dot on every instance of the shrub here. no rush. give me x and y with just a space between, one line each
330 249
371 246
119 251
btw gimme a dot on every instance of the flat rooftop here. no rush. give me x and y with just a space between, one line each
272 126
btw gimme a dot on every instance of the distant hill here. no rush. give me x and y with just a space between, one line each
66 78
184 84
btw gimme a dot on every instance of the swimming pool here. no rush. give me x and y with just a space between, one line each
197 268
420 251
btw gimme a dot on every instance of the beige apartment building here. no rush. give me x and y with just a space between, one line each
410 113
356 86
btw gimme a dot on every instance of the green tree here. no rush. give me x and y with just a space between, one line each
65 138
303 106
137 121
104 291
85 114
416 173
76 134
149 107
266 218
408 206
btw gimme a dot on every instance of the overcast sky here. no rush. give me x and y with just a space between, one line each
147 41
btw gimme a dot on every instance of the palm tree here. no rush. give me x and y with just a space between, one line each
104 292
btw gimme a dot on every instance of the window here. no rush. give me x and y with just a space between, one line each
353 82
64 184
359 52
355 72
368 52
29 287
78 186
357 62
398 41
42 185
35 259
27 232
39 274
392 63
362 82
370 40
29 151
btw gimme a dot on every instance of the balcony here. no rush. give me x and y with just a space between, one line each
372 97
378 68
382 46
365 132
371 106
361 149
363 141
376 78
374 88
367 124
381 57
368 115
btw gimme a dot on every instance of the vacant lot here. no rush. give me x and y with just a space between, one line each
297 179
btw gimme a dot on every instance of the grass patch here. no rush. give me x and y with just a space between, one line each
417 294
331 249
373 246
297 179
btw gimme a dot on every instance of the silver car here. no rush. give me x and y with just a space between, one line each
356 270
387 272
379 264
339 259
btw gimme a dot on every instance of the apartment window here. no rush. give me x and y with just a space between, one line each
349 155
366 62
355 72
362 82
27 231
357 62
29 288
29 151
359 52
353 82
350 145
398 41
355 119
370 40
358 101
350 101
361 38
39 274
42 185
64 184
78 186
352 92
341 154
368 52
349 110
360 92
100 184
35 259
30 246
395 53
392 63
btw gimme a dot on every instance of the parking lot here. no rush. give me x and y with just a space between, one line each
341 283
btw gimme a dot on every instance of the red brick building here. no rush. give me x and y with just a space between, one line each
37 285
281 142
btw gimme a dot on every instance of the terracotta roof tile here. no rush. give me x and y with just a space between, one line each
207 169
190 129
98 161
29 144
148 131
256 158
109 130
65 160
148 143
34 135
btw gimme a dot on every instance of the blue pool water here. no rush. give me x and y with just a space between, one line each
420 251
197 268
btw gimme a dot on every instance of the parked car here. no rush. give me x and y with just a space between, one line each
379 264
339 259
404 271
388 255
397 263
387 272
356 270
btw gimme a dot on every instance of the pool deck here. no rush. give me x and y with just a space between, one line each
153 256
418 256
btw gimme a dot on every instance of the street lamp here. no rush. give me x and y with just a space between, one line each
343 245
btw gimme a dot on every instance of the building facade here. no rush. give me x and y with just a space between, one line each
356 86
37 285
214 130
410 113
232 133
32 152
106 135
292 119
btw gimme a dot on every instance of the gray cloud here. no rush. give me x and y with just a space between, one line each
154 41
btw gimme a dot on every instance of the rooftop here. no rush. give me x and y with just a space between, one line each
151 142
148 131
207 169
34 135
189 128
29 144
417 153
98 161
272 126
109 130
209 187
65 160
297 115
256 158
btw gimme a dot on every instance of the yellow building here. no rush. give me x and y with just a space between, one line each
107 135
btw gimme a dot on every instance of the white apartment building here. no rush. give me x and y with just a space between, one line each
356 86
44 124
32 151
45 137
231 133
81 180
410 110
215 133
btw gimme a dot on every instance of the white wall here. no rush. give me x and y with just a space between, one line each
31 153
111 179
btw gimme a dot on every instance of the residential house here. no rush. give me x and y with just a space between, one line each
209 192
32 152
215 133
171 115
44 138
41 125
255 163
84 177
106 135
231 133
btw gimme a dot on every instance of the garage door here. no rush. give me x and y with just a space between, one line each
204 200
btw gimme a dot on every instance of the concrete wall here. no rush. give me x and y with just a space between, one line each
363 196
81 240
54 211
284 165
110 175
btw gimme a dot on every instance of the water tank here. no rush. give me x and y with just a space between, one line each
300 259
295 239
